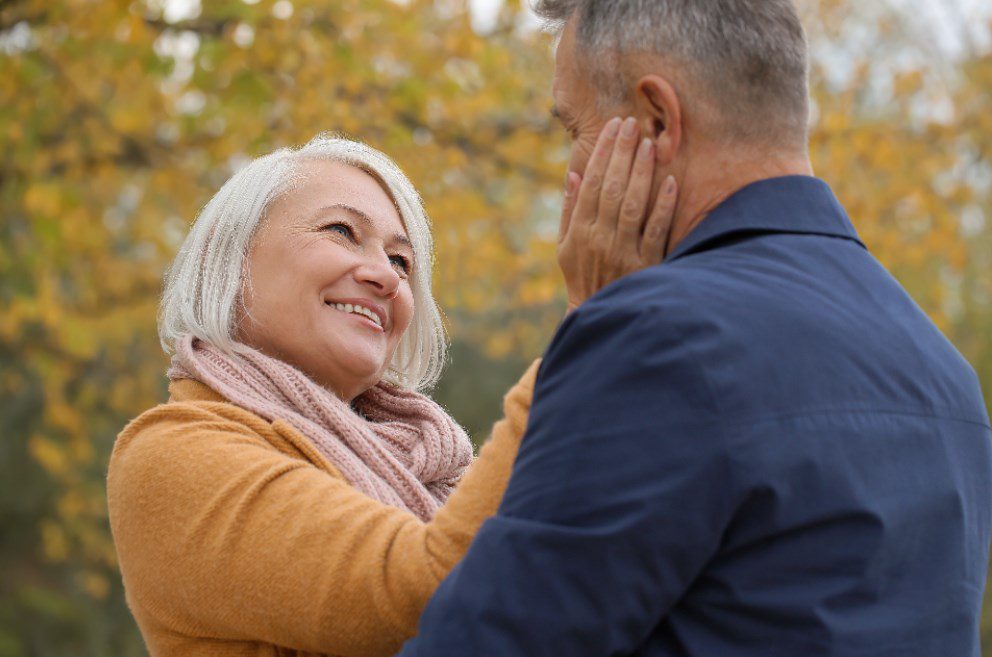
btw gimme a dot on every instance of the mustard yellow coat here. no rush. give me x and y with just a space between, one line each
235 537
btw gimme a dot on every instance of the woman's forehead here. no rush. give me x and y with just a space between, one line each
326 186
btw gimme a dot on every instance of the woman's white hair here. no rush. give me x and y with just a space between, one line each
205 284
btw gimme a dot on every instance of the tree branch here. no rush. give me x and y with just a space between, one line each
204 27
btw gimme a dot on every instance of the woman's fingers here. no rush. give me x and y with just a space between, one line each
617 175
634 210
587 204
572 182
658 228
609 226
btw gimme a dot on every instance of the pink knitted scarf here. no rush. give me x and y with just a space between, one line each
396 446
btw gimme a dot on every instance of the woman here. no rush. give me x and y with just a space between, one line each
296 495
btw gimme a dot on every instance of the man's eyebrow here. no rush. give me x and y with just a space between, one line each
397 238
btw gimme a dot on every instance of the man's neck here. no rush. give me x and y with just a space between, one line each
705 186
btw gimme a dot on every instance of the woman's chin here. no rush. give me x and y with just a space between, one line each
350 378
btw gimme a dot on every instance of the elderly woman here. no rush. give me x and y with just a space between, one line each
296 495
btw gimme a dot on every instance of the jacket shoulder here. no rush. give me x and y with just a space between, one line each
187 417
663 295
197 429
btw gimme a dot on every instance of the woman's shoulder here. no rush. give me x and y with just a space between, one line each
196 423
193 406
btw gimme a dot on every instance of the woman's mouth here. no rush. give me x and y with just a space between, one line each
356 309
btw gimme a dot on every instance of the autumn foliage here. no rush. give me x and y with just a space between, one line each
119 119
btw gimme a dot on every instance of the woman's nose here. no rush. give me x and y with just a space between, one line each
378 272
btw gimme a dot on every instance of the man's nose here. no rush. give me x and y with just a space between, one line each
377 272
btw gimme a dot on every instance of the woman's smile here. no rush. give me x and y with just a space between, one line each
367 312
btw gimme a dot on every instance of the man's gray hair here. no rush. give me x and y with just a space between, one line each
204 288
746 59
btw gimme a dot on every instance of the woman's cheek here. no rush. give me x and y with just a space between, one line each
405 311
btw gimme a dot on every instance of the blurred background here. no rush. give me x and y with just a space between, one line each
120 118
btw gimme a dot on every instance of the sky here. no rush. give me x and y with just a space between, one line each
944 17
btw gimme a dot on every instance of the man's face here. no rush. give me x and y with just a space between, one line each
575 101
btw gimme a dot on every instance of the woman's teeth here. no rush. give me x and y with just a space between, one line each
358 310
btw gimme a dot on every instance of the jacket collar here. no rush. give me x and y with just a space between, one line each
790 204
191 390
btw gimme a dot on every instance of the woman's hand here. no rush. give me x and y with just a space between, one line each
607 230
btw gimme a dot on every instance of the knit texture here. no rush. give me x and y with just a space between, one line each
395 445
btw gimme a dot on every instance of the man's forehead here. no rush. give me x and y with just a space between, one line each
565 77
564 48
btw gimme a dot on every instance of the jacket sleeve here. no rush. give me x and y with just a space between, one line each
618 498
221 535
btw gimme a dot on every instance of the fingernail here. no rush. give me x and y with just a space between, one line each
613 127
571 183
629 126
647 146
669 187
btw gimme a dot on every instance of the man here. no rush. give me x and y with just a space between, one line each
761 447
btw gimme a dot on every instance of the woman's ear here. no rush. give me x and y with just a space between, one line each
660 111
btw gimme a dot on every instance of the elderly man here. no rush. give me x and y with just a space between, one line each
761 447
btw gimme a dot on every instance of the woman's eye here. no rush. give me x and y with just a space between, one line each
342 229
401 263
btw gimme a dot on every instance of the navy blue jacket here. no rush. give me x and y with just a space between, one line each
760 448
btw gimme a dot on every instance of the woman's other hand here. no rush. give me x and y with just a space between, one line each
607 229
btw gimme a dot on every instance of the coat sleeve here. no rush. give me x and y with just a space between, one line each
221 535
618 498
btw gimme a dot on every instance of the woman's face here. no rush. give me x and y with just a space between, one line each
329 279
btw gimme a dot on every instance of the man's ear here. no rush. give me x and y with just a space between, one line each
658 107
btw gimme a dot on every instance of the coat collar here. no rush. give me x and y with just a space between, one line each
186 390
790 204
